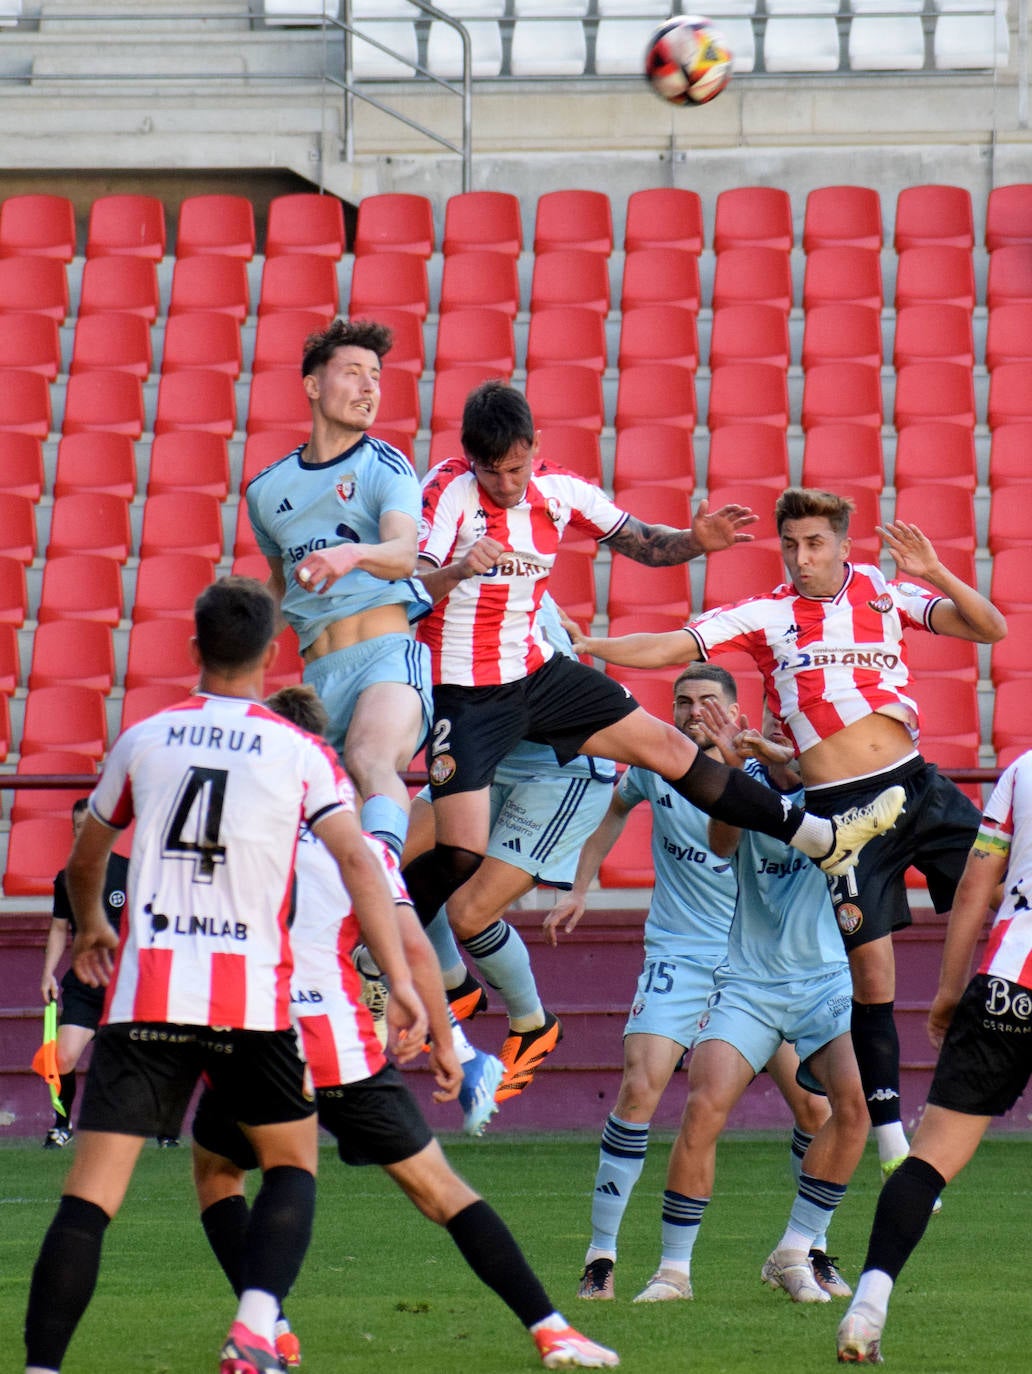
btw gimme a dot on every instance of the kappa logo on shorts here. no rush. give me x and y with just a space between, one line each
441 770
850 918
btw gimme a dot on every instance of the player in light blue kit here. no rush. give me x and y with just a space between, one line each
785 977
686 935
337 519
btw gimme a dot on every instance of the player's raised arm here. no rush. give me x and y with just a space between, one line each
965 613
670 648
660 546
85 874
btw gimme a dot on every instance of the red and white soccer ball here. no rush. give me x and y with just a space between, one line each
688 61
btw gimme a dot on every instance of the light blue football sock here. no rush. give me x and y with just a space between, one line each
383 817
440 935
621 1158
681 1219
812 1210
800 1145
502 959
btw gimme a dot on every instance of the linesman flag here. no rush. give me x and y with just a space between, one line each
44 1061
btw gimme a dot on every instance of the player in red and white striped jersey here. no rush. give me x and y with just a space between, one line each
830 647
200 981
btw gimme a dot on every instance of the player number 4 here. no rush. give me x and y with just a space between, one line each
192 830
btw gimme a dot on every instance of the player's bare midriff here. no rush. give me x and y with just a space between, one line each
869 745
355 629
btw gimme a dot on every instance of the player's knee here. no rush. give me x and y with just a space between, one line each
811 1112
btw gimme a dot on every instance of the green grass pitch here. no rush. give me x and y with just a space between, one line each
383 1290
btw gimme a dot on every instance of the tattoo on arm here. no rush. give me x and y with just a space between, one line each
657 546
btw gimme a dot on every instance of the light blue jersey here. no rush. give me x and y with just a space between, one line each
297 507
694 895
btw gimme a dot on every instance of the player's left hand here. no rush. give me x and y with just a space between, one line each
447 1071
720 529
939 1017
318 572
407 1023
910 547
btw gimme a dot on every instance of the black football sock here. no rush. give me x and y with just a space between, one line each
488 1247
904 1205
225 1225
63 1280
730 795
279 1230
431 878
66 1093
876 1046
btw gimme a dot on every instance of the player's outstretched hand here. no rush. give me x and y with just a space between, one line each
913 551
720 529
91 954
447 1071
565 916
318 572
406 1022
577 636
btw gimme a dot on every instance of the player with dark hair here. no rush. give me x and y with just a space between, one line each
829 644
492 525
217 786
337 519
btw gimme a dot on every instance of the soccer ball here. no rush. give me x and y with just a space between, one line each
687 61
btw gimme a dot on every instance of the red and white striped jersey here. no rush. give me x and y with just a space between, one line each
336 1028
218 787
485 631
1008 821
826 661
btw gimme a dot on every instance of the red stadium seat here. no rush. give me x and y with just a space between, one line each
749 334
78 651
753 274
447 443
17 527
196 400
660 276
658 333
244 541
565 334
1009 336
268 446
931 655
945 514
566 395
574 219
30 343
754 393
656 393
842 332
1009 278
37 848
21 465
947 709
288 665
948 755
37 226
132 226
450 391
299 281
1012 718
477 279
933 333
570 277
1008 455
394 223
34 286
111 401
66 717
189 460
755 453
25 404
934 214
656 505
203 340
305 223
629 862
753 216
834 393
747 571
10 661
81 586
182 522
484 337
141 702
14 600
279 339
1012 657
651 455
634 587
483 220
408 352
168 584
397 281
50 801
568 446
210 282
277 400
842 217
664 217
1010 394
934 391
399 402
841 275
221 224
760 501
159 651
96 460
935 452
935 272
1008 216
119 342
1010 518
572 583
119 286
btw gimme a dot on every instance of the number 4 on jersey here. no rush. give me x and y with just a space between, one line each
193 825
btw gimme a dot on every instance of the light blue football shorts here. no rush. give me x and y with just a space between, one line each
755 1017
341 677
671 995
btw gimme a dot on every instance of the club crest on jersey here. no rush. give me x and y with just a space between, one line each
850 918
441 770
346 487
882 604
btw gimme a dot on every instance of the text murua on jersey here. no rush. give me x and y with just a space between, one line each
214 737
